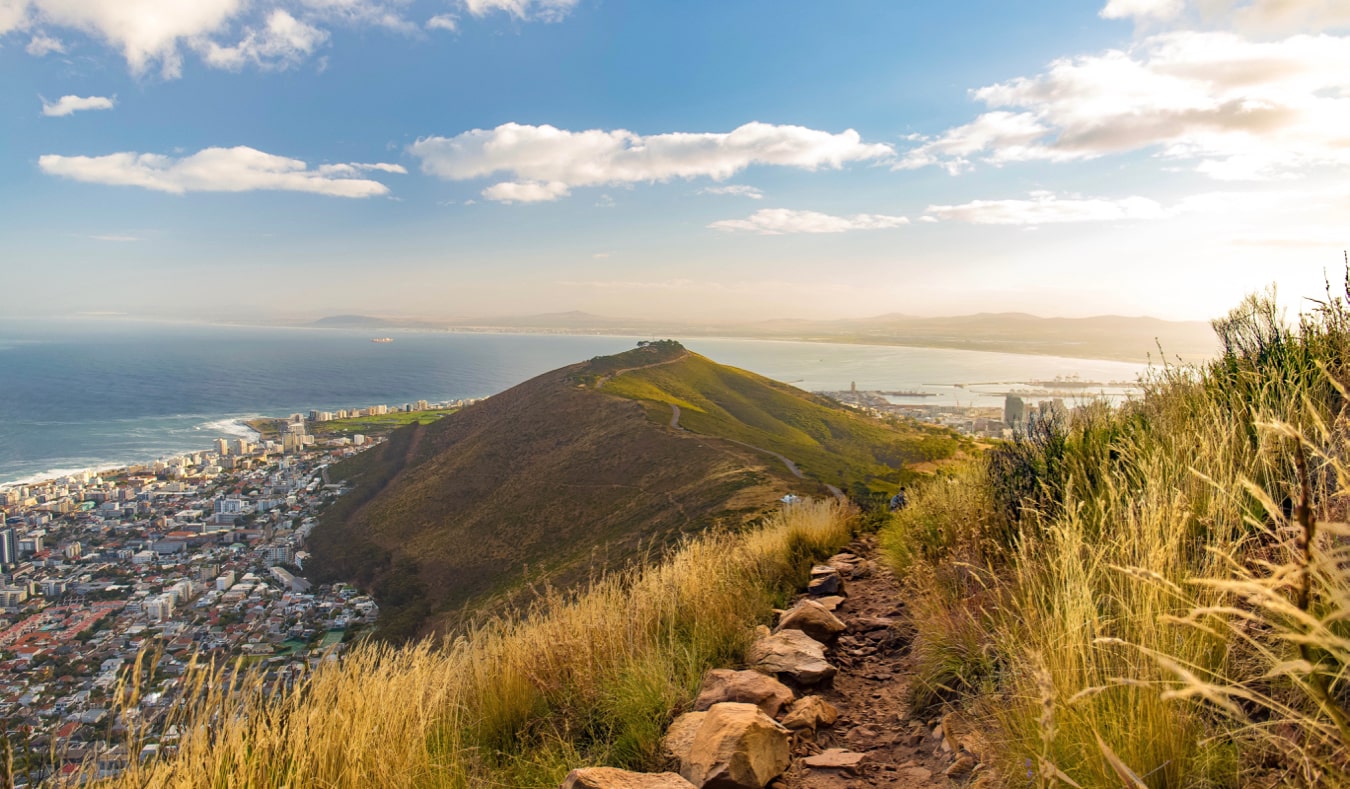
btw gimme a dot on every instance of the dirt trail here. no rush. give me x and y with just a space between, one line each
870 691
605 379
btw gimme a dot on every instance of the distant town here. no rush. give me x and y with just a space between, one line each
979 421
197 555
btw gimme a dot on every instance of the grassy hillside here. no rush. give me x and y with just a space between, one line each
1157 595
558 479
828 443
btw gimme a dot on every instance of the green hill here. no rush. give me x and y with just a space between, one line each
579 471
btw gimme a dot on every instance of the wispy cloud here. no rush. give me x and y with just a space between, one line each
67 105
443 22
541 10
1044 208
735 190
41 45
547 162
239 169
782 221
119 238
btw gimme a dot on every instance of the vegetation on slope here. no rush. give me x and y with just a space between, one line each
1157 595
557 480
516 702
829 443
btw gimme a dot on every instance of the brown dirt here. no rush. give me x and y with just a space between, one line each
870 692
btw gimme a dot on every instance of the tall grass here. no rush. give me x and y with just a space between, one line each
1147 591
517 702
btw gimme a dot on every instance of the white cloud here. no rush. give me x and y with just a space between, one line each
1231 107
147 31
1155 9
541 10
117 238
355 168
1044 208
780 221
735 190
283 42
239 169
527 192
361 13
69 104
545 160
1258 17
443 22
41 45
154 33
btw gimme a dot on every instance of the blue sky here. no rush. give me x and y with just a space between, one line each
467 158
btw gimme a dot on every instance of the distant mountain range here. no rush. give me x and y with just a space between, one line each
584 470
1132 339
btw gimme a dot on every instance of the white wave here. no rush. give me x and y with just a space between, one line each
60 473
235 426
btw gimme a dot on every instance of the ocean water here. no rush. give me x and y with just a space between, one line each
80 394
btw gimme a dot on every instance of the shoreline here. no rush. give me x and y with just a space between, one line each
48 476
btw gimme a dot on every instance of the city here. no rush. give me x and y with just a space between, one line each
196 557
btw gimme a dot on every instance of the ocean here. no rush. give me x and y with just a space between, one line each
82 394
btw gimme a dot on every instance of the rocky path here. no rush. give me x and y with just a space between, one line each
870 694
822 704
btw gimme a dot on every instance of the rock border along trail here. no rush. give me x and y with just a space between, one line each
835 717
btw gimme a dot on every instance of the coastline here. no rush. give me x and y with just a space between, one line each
225 427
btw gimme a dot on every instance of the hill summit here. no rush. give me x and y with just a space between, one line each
585 469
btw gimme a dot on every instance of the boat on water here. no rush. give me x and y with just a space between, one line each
382 339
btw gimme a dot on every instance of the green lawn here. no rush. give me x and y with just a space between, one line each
376 425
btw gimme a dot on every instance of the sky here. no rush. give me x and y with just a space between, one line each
696 160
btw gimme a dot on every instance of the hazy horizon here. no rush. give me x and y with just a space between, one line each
703 162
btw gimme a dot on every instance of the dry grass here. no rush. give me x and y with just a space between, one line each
1157 596
516 702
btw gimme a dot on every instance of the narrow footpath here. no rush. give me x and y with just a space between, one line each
822 703
870 692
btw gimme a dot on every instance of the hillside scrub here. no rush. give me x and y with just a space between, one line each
513 702
1156 595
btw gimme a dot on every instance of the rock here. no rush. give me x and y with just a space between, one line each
813 619
794 653
825 585
680 736
822 570
831 602
835 758
736 747
841 558
612 778
918 775
810 712
960 767
867 624
750 687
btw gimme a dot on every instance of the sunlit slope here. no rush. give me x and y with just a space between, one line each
827 442
579 471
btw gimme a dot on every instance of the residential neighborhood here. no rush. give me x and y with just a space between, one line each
199 558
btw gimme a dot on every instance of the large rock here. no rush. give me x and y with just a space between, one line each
810 712
737 747
750 687
613 778
813 619
793 653
679 737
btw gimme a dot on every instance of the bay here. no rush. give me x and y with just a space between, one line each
78 394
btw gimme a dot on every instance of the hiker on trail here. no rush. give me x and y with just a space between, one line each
899 501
